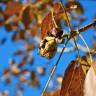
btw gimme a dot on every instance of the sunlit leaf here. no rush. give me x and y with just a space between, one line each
41 71
15 70
90 81
76 6
85 63
59 79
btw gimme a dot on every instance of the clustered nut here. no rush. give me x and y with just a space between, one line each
48 47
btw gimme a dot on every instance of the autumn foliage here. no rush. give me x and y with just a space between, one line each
40 24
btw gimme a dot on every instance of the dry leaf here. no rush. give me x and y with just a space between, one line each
47 25
30 47
8 27
41 71
22 34
90 82
76 6
58 9
19 35
34 82
53 93
34 30
73 81
26 16
13 8
85 62
15 70
59 79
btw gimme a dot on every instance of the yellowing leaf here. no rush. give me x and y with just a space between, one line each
85 62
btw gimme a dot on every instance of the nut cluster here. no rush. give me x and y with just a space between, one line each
48 46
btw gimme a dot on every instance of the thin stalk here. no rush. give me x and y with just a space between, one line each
54 69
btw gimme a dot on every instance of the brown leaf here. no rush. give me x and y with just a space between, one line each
76 6
23 72
8 27
30 47
6 71
13 8
27 16
1 20
34 31
18 36
47 25
23 62
73 81
58 8
63 17
53 93
22 34
34 82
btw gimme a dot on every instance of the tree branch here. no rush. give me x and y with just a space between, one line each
76 32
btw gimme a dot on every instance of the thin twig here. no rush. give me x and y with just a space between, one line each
53 69
70 29
82 29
